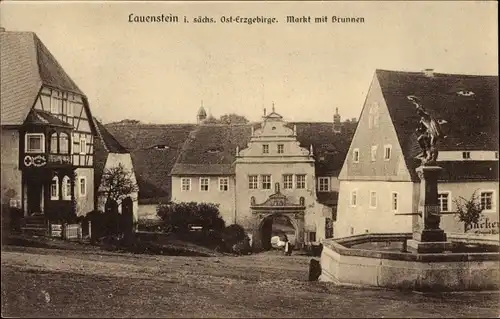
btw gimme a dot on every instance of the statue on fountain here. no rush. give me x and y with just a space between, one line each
429 133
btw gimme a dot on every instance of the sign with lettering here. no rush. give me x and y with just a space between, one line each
59 159
485 225
36 161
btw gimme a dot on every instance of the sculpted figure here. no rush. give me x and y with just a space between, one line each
429 133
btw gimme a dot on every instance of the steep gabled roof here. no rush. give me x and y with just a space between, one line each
39 117
211 148
154 149
105 143
26 65
109 141
469 104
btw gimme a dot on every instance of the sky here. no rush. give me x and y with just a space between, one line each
163 72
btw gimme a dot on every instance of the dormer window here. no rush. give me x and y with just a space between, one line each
161 147
213 150
465 93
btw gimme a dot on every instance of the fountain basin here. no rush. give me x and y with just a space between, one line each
344 263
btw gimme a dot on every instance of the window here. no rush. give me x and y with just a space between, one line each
54 188
185 184
281 148
300 181
374 153
373 199
487 200
253 182
55 103
373 116
266 181
265 149
466 155
53 143
354 198
69 105
287 181
35 143
66 188
312 236
83 145
444 201
83 186
324 184
496 155
394 201
204 182
387 152
355 155
63 143
223 184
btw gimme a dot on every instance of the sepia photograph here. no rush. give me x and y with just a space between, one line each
264 159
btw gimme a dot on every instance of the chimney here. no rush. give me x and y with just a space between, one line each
264 111
428 72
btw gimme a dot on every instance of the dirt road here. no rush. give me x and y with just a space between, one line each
48 282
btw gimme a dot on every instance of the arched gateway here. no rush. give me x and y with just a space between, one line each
277 205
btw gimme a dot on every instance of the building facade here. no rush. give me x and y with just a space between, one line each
109 156
253 171
47 132
259 171
378 182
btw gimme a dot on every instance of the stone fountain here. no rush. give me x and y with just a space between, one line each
427 261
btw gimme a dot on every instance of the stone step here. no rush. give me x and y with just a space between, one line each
34 231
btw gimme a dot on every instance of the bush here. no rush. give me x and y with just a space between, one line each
242 247
178 217
232 235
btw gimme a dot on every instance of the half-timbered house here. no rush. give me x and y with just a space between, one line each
47 132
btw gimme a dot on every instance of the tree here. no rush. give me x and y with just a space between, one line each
117 183
230 118
469 211
233 118
127 121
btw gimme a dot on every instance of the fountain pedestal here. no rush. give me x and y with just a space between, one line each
428 237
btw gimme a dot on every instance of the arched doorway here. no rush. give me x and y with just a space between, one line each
277 225
277 209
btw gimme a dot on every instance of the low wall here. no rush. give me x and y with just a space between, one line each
418 272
